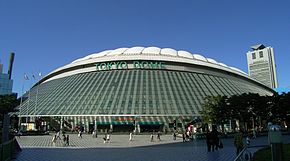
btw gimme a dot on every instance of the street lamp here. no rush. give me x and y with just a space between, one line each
26 78
61 123
36 97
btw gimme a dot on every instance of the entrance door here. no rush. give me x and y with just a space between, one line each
123 128
151 128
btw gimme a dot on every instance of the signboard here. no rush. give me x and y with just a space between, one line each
135 65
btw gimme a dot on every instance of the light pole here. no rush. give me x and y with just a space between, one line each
36 97
61 124
20 108
28 105
26 78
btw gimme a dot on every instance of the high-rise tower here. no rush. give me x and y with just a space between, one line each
6 83
261 65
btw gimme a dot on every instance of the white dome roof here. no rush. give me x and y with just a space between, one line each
118 51
142 51
212 61
199 57
133 50
151 50
168 51
185 54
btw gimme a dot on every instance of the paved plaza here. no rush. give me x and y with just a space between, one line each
36 148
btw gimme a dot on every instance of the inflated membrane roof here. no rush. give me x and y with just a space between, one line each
154 51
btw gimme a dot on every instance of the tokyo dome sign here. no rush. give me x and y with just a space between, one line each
134 65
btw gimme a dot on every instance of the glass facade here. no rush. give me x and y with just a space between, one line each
148 96
5 84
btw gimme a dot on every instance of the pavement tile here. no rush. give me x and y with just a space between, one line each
40 148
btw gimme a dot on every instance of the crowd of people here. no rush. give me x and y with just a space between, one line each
65 139
213 141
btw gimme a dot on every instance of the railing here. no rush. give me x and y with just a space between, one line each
246 154
8 148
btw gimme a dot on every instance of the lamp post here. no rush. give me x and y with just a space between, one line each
21 102
20 108
61 123
36 97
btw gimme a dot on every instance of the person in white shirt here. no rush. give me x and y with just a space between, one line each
130 137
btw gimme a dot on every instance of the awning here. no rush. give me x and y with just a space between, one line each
115 123
150 123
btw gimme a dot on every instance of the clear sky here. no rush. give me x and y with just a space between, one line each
47 34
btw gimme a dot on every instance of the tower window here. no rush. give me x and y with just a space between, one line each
253 55
261 54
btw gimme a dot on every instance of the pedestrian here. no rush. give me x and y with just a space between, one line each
108 138
215 138
58 135
209 140
183 137
53 140
158 136
187 135
93 134
64 140
130 136
238 142
151 137
67 140
80 134
105 138
174 136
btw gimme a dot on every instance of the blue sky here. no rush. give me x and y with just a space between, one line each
48 34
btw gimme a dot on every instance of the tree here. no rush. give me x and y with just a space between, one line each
8 103
250 109
215 110
280 109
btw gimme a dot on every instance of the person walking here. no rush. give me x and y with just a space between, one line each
93 134
183 137
58 135
53 140
158 136
64 140
105 138
130 137
174 136
187 135
67 140
80 134
151 137
209 141
238 142
215 138
108 138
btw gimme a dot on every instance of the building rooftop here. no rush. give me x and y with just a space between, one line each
258 47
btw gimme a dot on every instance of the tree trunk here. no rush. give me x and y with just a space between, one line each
5 130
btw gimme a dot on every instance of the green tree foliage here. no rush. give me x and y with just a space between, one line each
249 108
8 103
215 109
280 108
